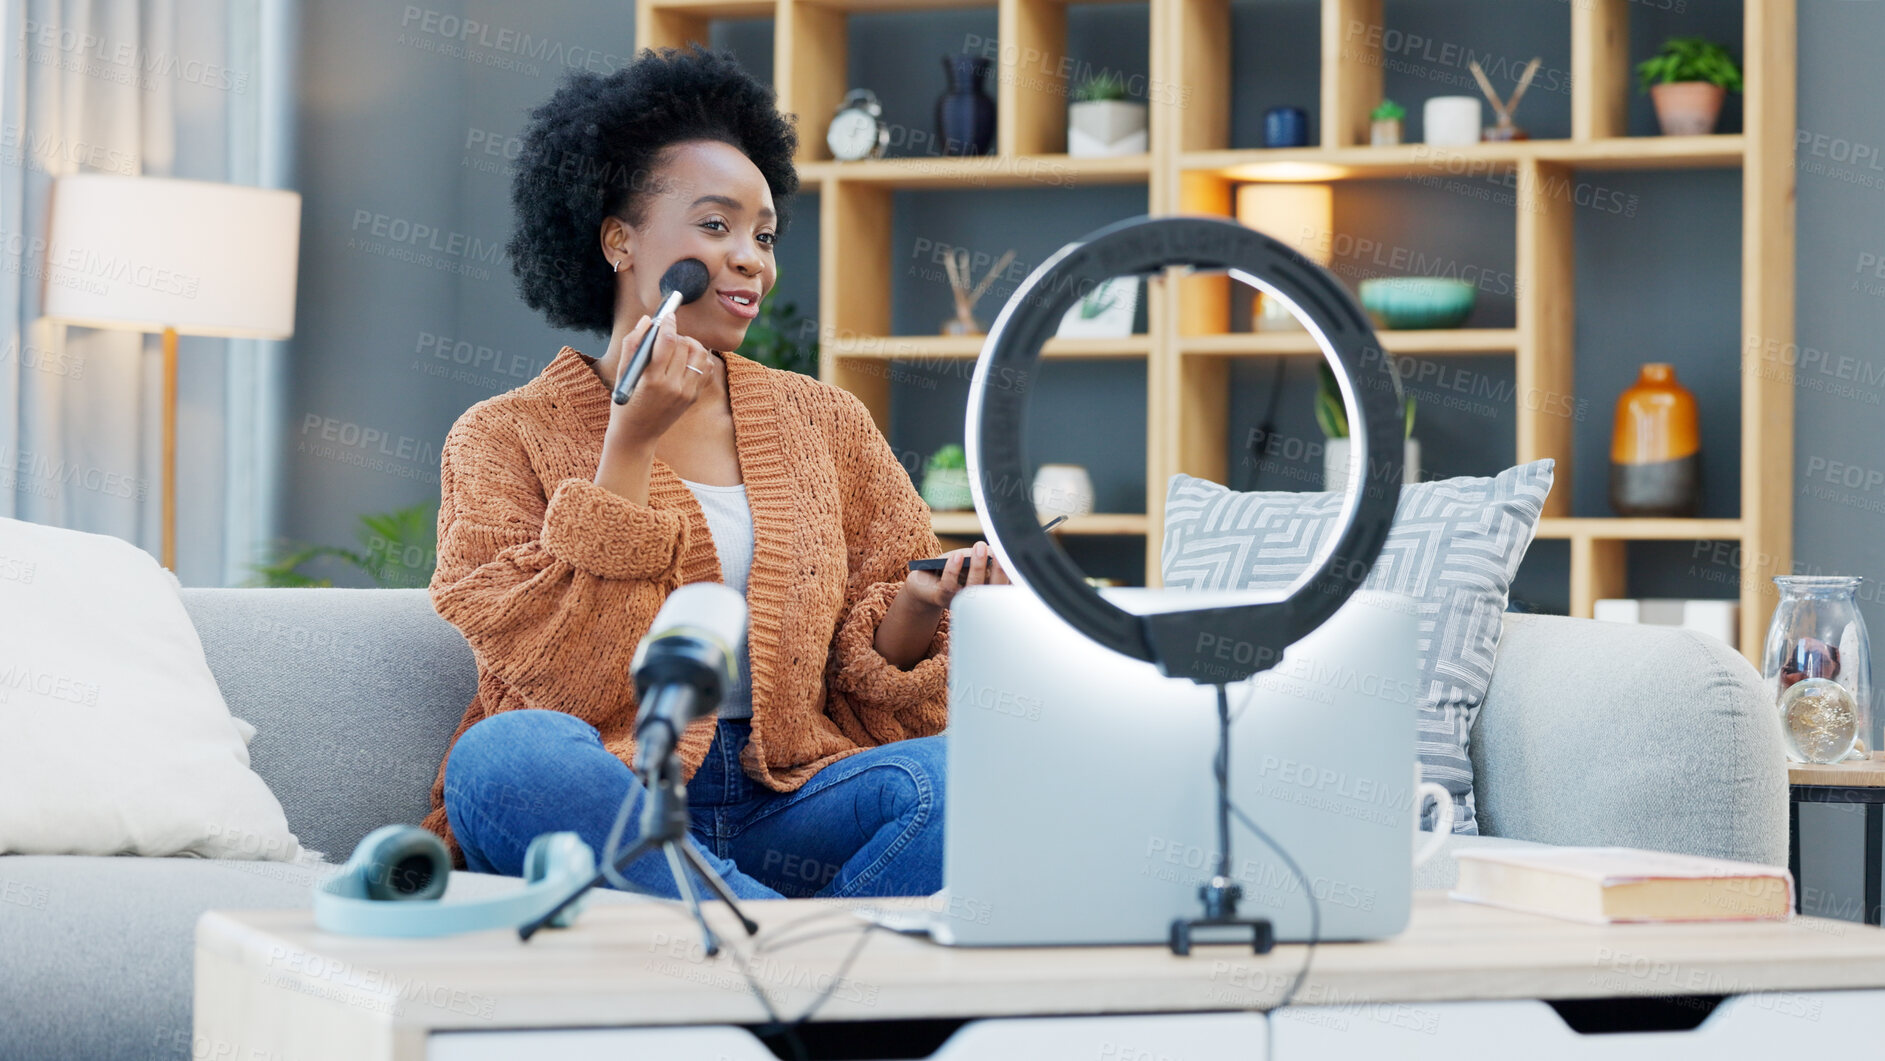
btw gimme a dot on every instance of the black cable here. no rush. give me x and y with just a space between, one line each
1266 426
776 1025
1230 805
1315 905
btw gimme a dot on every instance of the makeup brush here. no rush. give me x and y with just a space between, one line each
685 281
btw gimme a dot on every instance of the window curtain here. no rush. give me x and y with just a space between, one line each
171 88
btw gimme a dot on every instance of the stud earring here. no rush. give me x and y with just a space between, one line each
618 265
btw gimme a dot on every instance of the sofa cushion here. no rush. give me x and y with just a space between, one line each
114 738
355 695
1603 734
98 952
1453 549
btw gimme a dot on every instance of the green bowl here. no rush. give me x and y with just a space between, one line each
1409 303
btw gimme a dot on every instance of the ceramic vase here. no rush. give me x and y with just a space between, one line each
1655 448
1062 490
965 115
1335 463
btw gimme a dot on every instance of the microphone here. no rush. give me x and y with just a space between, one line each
684 666
685 281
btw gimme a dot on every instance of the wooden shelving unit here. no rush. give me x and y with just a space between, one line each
1191 168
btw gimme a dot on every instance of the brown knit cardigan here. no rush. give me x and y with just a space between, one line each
553 580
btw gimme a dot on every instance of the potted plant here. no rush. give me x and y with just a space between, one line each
398 550
946 480
1688 79
1384 124
1101 121
777 338
1334 423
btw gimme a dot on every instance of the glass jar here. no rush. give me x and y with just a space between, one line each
1818 668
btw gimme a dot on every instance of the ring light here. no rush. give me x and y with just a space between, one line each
1211 645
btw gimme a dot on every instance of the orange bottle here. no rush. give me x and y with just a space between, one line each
1655 448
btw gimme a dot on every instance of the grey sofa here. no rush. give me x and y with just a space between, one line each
1592 733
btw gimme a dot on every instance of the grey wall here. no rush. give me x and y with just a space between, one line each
394 130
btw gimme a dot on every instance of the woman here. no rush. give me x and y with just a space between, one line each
566 520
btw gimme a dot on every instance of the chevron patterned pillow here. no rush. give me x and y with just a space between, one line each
1453 548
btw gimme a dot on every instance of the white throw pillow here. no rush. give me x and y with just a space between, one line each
114 738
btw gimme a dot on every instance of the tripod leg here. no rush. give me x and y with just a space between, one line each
675 866
641 848
719 888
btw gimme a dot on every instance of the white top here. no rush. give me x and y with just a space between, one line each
730 520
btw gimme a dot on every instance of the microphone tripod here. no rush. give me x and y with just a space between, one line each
664 822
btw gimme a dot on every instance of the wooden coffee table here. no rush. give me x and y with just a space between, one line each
1861 782
630 980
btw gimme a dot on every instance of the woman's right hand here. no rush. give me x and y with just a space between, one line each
666 390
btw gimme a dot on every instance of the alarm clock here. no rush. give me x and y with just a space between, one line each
857 130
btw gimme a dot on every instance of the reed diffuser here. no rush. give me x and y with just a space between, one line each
964 322
1504 129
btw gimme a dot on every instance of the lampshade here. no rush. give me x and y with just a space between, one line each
147 253
1301 215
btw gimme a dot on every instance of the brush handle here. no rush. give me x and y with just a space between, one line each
644 350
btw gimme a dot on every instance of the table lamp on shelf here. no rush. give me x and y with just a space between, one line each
1299 215
152 254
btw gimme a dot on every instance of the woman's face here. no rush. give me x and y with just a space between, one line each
707 201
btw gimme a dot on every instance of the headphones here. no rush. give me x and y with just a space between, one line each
394 883
1193 643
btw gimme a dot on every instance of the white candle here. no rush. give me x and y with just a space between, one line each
1451 121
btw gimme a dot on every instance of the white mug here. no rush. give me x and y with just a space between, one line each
1442 816
1451 121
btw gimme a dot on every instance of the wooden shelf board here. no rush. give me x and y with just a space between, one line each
719 8
1472 161
1623 529
980 171
969 347
1858 773
887 5
968 524
1436 341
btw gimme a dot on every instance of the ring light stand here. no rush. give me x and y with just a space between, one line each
1210 645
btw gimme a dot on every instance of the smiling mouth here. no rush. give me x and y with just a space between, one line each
743 310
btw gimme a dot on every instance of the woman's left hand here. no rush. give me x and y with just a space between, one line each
938 588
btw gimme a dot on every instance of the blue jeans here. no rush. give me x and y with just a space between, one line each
868 824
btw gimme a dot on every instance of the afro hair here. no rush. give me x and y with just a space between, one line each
594 149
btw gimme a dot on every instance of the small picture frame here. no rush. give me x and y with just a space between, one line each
1106 312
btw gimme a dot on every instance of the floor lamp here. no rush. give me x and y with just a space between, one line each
151 254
